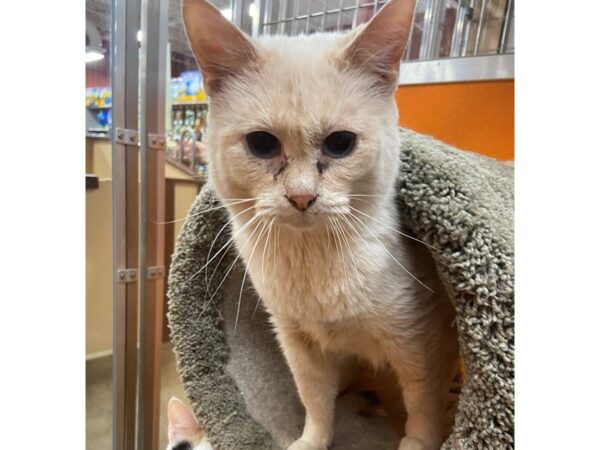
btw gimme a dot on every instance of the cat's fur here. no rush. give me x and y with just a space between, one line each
184 431
332 283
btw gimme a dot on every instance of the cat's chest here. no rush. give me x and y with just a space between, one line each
327 278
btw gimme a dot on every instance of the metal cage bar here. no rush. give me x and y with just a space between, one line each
458 34
283 6
506 26
480 28
289 20
124 84
152 197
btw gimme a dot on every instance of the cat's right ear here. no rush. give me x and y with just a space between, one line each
378 47
220 48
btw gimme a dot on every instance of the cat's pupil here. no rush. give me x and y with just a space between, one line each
263 145
339 144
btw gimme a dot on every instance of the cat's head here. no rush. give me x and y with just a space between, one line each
184 432
305 125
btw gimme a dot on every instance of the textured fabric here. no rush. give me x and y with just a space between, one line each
233 371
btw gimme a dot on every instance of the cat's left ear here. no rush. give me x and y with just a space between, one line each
220 48
379 46
182 422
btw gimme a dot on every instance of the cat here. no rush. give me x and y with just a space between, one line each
303 150
184 431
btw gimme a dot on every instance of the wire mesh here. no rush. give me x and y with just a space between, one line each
441 28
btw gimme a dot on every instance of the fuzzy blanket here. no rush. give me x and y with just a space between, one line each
238 383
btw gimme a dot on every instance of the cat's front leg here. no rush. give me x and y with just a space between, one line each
316 374
424 405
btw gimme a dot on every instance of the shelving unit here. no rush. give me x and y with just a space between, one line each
92 125
188 121
191 103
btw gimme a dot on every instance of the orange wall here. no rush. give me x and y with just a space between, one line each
477 116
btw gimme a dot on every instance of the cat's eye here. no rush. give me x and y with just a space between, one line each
339 144
263 145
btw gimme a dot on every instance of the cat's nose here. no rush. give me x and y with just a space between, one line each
302 202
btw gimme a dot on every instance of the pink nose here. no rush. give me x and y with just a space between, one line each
302 202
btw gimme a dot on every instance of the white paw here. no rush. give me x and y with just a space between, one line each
303 445
408 443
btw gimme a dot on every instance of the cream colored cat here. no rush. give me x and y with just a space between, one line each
304 151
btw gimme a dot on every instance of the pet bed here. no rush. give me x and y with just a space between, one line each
237 381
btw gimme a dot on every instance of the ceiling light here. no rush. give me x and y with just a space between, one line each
227 13
139 35
93 55
93 48
253 10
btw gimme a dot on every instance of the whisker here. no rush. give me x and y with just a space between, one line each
341 249
389 253
373 309
367 195
215 208
231 266
262 265
226 245
232 244
276 268
396 231
215 240
352 259
237 314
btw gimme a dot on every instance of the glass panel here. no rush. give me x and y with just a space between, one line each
187 103
99 230
186 158
97 69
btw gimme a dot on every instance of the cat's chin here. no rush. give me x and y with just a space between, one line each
301 222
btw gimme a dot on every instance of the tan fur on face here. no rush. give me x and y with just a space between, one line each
301 97
338 281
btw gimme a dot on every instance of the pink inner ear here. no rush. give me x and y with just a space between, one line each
182 422
171 434
177 432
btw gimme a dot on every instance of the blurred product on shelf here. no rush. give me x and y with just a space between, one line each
188 119
98 97
104 118
188 87
187 131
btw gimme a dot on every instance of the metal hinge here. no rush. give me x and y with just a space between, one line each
126 136
127 275
156 141
155 272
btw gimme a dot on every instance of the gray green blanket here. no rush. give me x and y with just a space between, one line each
238 383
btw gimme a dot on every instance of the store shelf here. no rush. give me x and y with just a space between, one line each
97 132
189 103
98 107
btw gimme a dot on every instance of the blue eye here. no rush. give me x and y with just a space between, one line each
263 145
339 144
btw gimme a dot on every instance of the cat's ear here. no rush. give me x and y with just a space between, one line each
379 46
182 422
220 48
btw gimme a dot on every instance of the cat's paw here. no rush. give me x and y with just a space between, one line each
303 445
408 443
